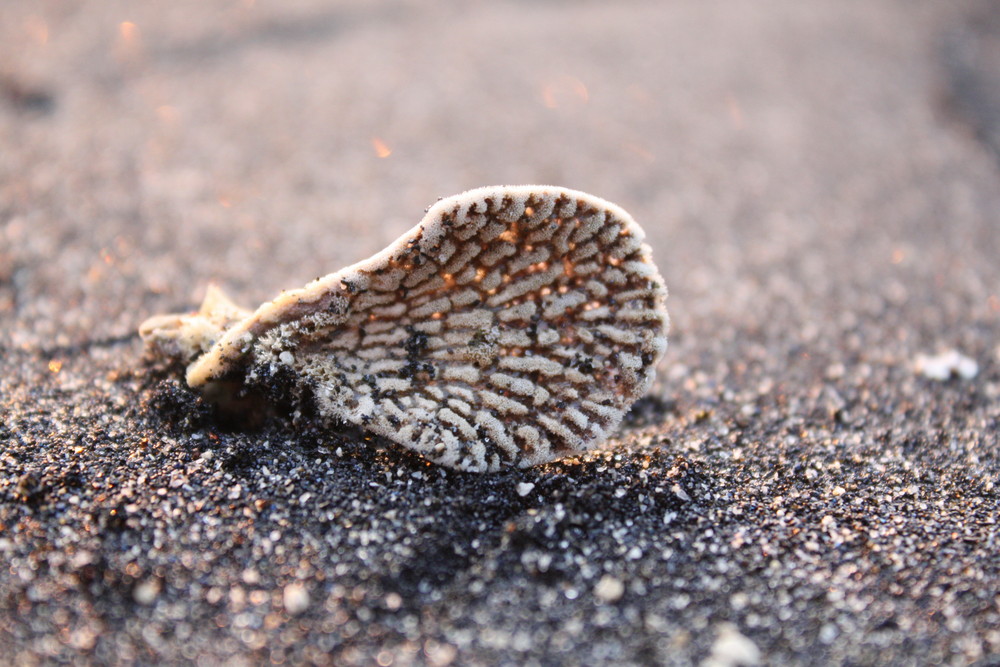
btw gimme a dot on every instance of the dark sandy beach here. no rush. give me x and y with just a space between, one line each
819 183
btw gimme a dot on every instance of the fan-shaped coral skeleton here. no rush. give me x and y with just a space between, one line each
512 326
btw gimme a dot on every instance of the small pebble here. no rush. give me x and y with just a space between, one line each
732 648
524 488
609 589
946 365
146 592
295 598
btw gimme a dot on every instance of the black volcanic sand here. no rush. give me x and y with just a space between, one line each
820 187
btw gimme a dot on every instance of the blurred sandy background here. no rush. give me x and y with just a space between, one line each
820 185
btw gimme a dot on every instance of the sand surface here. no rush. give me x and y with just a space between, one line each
820 183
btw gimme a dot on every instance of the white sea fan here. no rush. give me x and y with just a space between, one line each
514 325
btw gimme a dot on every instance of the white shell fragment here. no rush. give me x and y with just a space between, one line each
945 365
512 326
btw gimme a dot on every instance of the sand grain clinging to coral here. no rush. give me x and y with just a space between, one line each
512 326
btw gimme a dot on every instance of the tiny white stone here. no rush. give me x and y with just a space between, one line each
295 598
732 649
287 358
524 488
147 591
609 589
945 365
